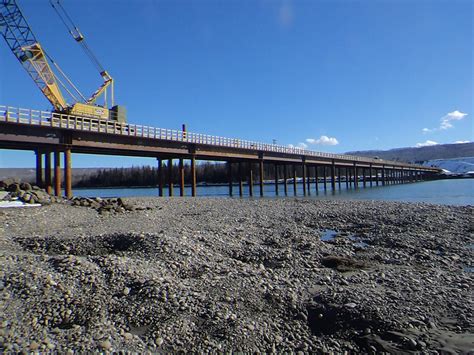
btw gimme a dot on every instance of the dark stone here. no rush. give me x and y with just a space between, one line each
25 186
15 187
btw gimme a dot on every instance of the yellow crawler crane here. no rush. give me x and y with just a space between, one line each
26 48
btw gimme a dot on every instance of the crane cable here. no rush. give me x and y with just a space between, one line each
75 33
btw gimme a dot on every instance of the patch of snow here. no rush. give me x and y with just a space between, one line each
17 204
453 166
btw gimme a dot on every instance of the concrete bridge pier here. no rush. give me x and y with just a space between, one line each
316 179
68 172
57 173
339 177
333 175
170 177
241 183
181 177
229 177
347 178
356 177
39 168
160 176
193 175
303 168
308 179
250 178
370 174
285 178
294 180
261 177
276 179
48 182
325 179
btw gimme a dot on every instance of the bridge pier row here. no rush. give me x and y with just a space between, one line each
303 167
57 174
181 177
316 179
160 177
250 179
276 180
68 172
285 178
356 177
383 176
241 182
48 182
325 180
193 175
229 177
261 177
170 177
39 168
294 180
333 176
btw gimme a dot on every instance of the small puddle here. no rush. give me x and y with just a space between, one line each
468 269
329 236
139 330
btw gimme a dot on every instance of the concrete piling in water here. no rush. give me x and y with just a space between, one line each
68 173
160 177
48 182
181 177
193 175
57 173
170 177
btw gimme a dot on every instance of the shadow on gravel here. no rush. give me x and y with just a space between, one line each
343 264
88 246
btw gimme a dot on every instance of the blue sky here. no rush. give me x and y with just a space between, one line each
372 74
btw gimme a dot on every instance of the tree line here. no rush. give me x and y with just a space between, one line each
206 172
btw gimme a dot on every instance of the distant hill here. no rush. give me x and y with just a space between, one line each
422 154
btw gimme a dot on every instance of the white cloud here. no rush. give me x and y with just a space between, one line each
461 142
291 146
302 145
446 121
452 116
426 144
323 140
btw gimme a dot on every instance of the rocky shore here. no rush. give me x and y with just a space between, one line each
219 275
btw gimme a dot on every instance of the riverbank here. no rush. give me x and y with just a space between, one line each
237 275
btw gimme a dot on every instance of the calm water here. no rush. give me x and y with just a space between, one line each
450 192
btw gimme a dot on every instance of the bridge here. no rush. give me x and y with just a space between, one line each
52 134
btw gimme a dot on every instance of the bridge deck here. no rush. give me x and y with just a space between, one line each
46 132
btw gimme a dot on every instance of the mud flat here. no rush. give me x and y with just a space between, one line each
237 275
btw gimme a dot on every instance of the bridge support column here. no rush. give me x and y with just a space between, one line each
325 178
250 179
308 179
303 168
333 176
383 176
261 173
316 179
170 177
229 178
356 177
39 168
68 173
347 178
276 179
285 179
339 177
294 180
370 174
241 183
47 173
193 175
364 177
160 177
57 173
181 177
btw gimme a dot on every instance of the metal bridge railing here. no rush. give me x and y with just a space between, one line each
65 121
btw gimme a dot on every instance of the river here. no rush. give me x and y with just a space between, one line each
450 192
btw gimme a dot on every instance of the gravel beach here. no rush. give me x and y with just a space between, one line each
252 275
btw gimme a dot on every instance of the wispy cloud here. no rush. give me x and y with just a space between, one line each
461 142
323 140
300 145
286 14
426 144
447 121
